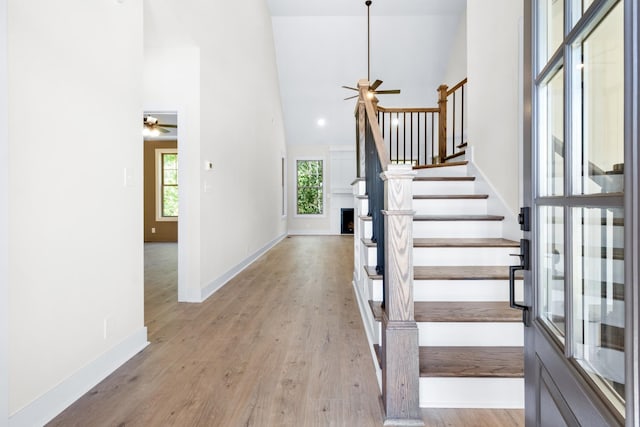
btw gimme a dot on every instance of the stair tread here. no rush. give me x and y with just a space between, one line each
441 165
425 242
444 178
457 311
458 218
465 362
454 155
478 362
450 196
481 272
438 196
449 217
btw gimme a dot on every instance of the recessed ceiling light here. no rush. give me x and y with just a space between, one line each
321 122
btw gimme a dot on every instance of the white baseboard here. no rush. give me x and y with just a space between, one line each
49 405
315 233
218 283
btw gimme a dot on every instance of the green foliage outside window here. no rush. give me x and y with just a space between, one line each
169 185
309 187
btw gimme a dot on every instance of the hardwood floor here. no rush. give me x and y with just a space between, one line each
282 344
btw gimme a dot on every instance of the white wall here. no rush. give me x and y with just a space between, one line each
493 96
75 241
241 129
457 66
172 83
339 171
4 221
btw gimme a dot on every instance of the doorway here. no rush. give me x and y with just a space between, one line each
161 213
581 213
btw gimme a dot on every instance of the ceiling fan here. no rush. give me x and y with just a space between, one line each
373 88
153 127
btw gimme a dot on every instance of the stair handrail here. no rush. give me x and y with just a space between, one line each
390 195
431 132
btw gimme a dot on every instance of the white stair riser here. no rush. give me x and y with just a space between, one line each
363 206
359 188
451 229
450 206
366 227
443 187
445 229
439 206
446 170
471 334
465 290
455 256
454 290
472 393
463 256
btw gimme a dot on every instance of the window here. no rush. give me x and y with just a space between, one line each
167 184
309 183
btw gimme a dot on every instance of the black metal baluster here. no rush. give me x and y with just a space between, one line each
453 126
462 118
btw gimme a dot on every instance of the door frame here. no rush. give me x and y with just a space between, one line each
631 233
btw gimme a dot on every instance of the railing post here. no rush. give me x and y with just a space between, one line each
442 124
400 359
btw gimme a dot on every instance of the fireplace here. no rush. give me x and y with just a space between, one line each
346 220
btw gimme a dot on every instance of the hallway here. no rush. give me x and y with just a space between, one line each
282 344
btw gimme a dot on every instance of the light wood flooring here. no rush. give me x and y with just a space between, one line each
282 344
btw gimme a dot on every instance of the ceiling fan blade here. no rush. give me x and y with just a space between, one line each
167 126
351 97
375 85
352 88
163 130
386 92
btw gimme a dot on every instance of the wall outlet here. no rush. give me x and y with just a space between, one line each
153 230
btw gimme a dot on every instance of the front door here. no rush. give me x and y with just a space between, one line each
581 188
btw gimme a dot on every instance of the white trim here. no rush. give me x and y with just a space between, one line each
53 402
324 187
362 308
218 283
317 232
158 162
186 248
4 219
496 204
285 185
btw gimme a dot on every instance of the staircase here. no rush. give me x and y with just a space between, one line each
470 340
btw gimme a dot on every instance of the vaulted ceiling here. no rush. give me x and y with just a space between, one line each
322 45
356 7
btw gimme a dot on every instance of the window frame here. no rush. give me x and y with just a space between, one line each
159 184
323 187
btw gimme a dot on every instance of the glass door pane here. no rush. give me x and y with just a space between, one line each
598 306
579 7
551 269
550 29
598 92
551 125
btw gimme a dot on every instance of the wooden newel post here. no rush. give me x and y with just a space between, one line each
400 359
442 124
